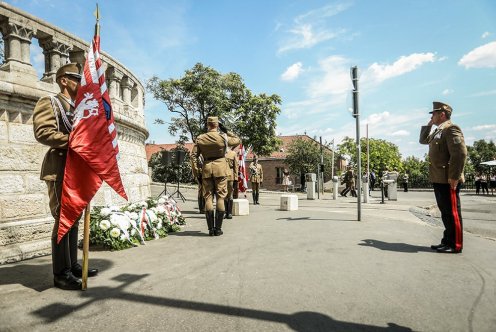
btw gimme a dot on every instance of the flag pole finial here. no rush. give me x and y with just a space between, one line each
97 24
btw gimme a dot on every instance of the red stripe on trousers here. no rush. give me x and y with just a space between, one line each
456 217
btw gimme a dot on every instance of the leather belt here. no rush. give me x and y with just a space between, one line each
213 158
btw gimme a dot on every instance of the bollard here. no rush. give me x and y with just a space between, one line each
382 192
335 187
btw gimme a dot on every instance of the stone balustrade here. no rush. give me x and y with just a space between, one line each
25 220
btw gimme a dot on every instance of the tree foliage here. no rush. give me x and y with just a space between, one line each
163 173
383 154
204 92
481 151
303 156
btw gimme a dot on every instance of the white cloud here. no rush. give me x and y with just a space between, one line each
485 127
400 133
481 57
447 92
484 93
335 80
485 34
405 64
310 29
292 72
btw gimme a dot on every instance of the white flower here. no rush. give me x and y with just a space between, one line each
123 237
104 225
127 213
133 232
115 232
143 204
132 222
154 209
133 216
105 212
152 215
161 209
131 207
114 208
159 225
161 200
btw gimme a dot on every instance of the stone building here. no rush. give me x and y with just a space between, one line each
25 220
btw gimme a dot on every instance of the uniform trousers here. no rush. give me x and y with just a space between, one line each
217 186
64 253
230 189
448 202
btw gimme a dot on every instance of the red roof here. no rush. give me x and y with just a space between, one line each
280 154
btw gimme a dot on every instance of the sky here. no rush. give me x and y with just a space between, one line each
408 53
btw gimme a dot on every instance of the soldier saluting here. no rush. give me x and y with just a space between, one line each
447 156
212 147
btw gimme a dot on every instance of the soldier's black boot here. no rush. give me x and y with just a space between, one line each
210 222
219 217
229 208
253 195
201 205
256 197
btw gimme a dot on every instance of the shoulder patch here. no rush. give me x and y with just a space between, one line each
457 140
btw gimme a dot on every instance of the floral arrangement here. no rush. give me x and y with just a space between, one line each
120 228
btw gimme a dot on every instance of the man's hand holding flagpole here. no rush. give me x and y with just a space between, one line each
93 149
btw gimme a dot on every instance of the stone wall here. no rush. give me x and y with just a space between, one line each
25 220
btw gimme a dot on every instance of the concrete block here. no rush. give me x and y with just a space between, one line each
289 202
241 207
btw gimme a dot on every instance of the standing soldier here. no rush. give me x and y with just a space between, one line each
52 124
196 168
256 178
212 147
233 162
447 157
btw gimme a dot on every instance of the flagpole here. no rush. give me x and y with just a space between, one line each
86 236
86 247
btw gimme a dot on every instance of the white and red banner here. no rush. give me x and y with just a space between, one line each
242 174
93 149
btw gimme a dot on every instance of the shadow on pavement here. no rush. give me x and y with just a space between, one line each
39 277
399 247
300 321
188 233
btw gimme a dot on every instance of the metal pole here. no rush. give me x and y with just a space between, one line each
356 114
322 163
332 161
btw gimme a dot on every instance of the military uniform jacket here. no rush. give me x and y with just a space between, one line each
256 172
447 152
212 147
195 164
233 163
50 128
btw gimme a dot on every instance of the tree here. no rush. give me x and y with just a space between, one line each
204 92
383 154
481 151
303 156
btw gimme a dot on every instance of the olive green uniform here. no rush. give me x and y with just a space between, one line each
232 179
51 129
256 179
196 168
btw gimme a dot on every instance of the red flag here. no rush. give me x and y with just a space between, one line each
93 150
242 175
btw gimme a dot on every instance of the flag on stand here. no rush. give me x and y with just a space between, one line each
93 151
242 174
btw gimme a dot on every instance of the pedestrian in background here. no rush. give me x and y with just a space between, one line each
256 179
405 182
477 183
483 182
447 156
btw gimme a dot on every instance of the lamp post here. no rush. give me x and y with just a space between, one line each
356 115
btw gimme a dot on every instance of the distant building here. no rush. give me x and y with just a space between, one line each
273 165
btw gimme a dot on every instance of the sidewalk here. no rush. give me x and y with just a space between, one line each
315 269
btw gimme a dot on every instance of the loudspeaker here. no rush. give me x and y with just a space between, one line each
166 158
180 155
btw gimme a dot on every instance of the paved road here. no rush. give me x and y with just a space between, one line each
315 269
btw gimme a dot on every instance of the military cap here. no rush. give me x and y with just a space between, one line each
212 119
438 106
70 69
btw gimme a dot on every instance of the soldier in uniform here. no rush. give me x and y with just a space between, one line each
196 168
256 178
232 179
212 147
447 157
52 123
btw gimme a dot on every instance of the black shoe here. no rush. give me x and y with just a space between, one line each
77 271
448 250
218 232
437 246
67 282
